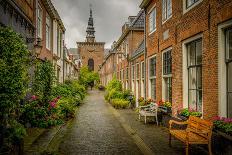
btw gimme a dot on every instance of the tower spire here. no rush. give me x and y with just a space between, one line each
90 37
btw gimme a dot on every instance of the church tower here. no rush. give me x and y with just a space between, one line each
91 52
90 37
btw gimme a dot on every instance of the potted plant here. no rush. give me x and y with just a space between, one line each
185 113
223 126
165 106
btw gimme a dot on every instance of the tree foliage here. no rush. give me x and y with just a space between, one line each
88 77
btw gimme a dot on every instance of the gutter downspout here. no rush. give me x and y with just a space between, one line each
145 56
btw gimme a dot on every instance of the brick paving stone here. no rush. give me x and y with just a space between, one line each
96 131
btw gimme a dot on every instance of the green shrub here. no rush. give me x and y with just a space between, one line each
126 94
14 66
120 103
44 79
115 94
66 108
39 114
114 84
71 89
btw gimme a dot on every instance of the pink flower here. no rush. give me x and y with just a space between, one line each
228 120
216 118
53 104
34 97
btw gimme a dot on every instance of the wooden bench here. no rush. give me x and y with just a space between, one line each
198 131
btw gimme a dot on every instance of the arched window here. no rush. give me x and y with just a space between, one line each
91 64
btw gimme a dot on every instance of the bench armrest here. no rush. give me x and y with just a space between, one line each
176 122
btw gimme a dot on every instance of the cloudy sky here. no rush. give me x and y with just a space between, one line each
109 16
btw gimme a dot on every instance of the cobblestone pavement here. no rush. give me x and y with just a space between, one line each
157 137
97 131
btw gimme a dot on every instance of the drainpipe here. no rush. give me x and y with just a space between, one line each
145 56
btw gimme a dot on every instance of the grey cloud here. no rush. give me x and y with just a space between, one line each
109 16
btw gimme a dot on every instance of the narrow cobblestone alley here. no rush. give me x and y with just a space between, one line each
97 131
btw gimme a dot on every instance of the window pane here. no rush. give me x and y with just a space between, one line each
169 8
229 78
192 78
229 44
164 11
191 53
137 70
152 67
199 78
153 89
192 99
199 100
229 105
154 19
191 2
199 52
170 89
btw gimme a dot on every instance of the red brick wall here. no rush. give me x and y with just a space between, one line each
45 53
181 27
86 53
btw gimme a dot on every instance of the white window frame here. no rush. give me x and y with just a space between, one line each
48 32
165 76
165 6
150 78
185 70
39 21
152 20
142 93
185 9
222 69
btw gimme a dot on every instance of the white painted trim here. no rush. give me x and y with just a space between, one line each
185 70
222 98
150 33
185 10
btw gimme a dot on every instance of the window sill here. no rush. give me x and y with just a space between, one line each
150 33
164 21
167 76
185 10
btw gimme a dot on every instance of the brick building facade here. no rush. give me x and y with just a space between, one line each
187 40
186 56
50 29
91 52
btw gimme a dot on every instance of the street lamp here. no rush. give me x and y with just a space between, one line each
37 48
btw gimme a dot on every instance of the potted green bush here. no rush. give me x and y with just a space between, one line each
223 126
185 113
